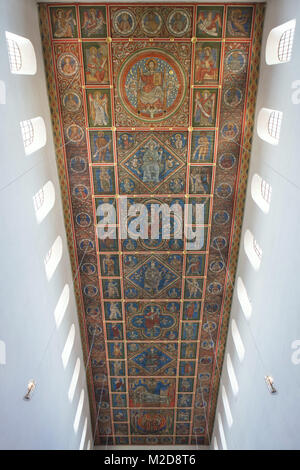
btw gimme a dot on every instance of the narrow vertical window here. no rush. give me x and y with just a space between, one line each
78 411
83 436
65 355
74 380
43 201
221 432
227 407
279 45
53 257
261 193
21 55
252 250
232 376
62 305
269 125
244 299
2 353
33 134
239 345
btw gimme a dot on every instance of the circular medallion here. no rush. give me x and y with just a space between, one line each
151 85
233 96
224 190
216 266
229 131
78 164
219 243
86 245
88 268
83 219
67 64
151 22
178 22
124 22
81 192
211 308
214 288
221 217
236 61
75 133
90 290
227 161
71 101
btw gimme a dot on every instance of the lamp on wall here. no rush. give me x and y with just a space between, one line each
270 384
30 389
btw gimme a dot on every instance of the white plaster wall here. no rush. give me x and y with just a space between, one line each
262 420
27 326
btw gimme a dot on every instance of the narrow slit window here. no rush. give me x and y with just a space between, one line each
286 45
33 134
244 299
65 356
222 433
227 407
261 193
239 345
21 55
62 305
78 411
53 257
2 353
252 250
274 124
74 380
279 45
43 201
83 436
232 376
269 123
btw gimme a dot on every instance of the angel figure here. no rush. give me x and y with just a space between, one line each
99 108
93 23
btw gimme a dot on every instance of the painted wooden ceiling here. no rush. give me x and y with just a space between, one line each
156 103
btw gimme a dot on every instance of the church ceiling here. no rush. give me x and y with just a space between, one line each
155 103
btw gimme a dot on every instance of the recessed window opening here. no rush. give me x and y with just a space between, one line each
279 45
78 411
269 125
43 201
62 305
232 376
33 134
261 193
226 407
221 432
74 380
53 257
252 250
83 436
239 345
65 356
244 299
21 55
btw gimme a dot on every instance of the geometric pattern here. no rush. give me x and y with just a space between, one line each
155 103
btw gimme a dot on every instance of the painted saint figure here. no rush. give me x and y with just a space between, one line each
206 65
99 108
93 23
151 163
209 22
64 23
204 107
151 89
96 71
